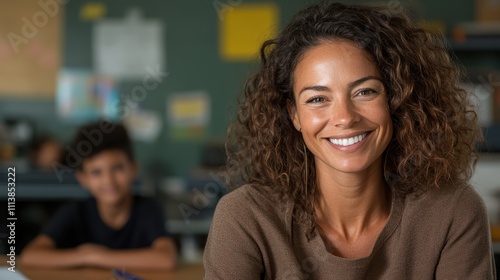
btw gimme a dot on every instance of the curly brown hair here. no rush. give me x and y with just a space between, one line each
436 129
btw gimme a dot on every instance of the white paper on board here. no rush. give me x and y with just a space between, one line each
123 48
143 125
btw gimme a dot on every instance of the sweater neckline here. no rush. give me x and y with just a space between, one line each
389 228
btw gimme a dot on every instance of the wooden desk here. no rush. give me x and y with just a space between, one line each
184 272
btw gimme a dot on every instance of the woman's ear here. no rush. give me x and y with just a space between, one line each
292 112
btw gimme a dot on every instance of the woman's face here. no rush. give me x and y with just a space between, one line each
341 107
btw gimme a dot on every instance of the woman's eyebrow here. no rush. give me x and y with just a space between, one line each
350 86
362 80
316 88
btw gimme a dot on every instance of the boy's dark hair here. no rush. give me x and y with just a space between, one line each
94 138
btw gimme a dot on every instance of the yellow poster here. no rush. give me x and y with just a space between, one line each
245 27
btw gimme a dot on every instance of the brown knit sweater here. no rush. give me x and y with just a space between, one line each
443 234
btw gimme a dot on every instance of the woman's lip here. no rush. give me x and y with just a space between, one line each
344 136
353 147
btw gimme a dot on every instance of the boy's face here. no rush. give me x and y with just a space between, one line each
108 176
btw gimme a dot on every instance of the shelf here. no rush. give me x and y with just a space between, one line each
38 192
36 185
475 44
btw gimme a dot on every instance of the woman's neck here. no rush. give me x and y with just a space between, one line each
351 203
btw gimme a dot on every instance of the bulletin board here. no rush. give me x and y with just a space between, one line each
30 47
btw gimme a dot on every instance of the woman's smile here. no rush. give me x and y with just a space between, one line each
344 141
349 144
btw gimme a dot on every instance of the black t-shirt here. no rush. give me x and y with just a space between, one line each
79 222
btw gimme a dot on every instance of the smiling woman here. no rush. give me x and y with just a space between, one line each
355 145
340 106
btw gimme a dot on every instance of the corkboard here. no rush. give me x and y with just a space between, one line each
30 47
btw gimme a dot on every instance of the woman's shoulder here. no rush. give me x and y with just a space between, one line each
445 213
453 201
251 195
253 201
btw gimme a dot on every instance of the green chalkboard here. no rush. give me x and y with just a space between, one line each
193 63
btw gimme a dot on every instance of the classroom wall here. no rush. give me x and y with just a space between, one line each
193 63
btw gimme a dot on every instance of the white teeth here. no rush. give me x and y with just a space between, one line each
348 141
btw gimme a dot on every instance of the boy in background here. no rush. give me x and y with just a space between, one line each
113 228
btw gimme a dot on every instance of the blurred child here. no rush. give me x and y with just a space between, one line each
113 228
45 151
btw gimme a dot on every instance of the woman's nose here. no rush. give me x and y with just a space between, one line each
344 114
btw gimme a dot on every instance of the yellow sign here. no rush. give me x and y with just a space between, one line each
188 108
188 114
245 27
92 11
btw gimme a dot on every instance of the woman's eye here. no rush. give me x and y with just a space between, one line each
316 99
366 91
